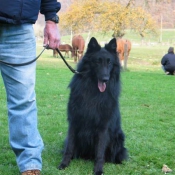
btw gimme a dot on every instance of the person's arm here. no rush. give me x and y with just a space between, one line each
49 8
51 33
163 61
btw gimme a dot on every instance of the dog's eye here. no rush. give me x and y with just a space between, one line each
99 60
109 61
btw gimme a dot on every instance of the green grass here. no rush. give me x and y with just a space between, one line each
168 36
147 109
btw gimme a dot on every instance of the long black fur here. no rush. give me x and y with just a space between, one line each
93 110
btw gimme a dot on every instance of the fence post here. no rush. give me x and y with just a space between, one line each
125 56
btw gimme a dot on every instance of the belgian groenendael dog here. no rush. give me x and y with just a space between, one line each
93 109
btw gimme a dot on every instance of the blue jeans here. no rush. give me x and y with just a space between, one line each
17 45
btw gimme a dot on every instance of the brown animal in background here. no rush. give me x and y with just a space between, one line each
121 43
55 54
63 48
78 44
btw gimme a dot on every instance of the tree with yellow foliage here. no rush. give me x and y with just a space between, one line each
96 15
80 16
142 22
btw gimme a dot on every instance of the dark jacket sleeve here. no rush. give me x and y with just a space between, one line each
49 8
163 61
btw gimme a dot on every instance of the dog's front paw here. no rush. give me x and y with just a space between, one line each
99 173
62 166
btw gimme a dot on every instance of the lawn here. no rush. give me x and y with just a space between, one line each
147 108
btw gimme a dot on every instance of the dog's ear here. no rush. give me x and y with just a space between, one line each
112 45
93 45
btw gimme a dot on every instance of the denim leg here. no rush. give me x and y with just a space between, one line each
17 45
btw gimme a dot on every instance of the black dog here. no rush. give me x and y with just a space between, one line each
93 109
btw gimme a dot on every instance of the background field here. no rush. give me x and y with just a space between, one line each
147 108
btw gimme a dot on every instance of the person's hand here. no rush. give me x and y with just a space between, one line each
51 35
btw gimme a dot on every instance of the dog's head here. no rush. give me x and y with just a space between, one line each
103 61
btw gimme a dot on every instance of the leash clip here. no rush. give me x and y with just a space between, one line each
46 46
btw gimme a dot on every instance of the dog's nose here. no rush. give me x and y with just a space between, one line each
105 79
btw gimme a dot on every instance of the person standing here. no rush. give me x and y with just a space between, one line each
168 62
18 45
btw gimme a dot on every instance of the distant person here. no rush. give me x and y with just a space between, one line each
168 62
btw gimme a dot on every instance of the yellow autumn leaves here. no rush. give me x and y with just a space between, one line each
107 16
